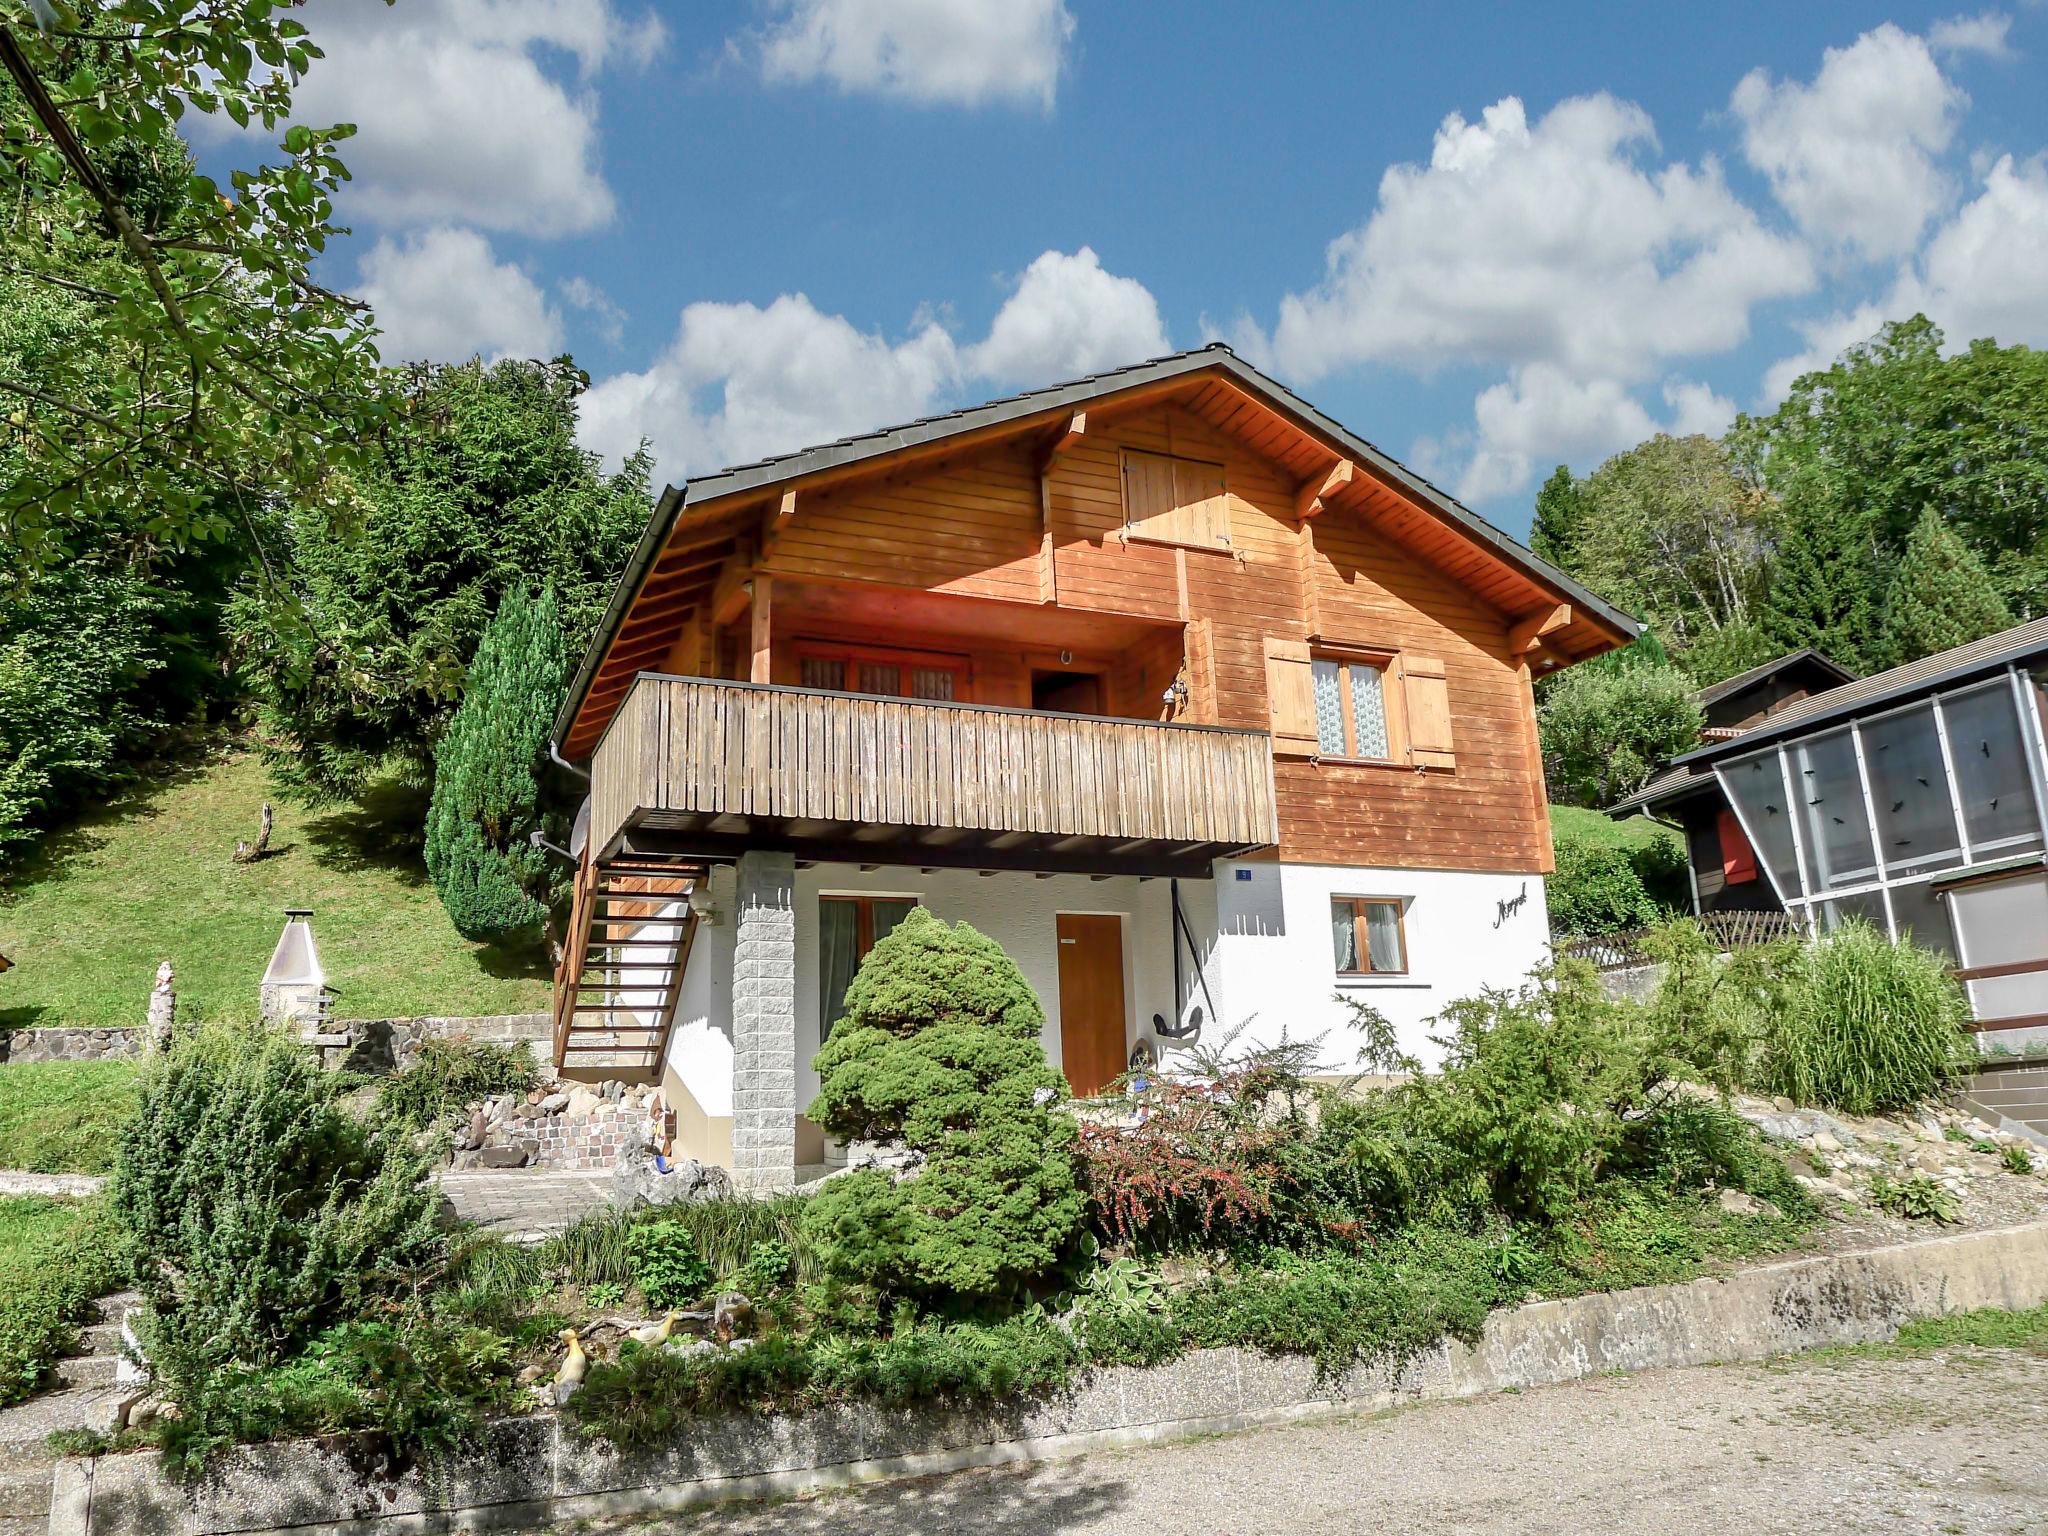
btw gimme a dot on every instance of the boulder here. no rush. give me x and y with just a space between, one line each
1739 1202
502 1157
637 1182
582 1102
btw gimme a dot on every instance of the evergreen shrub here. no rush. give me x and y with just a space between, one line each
939 1049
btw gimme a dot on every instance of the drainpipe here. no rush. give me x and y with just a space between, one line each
555 757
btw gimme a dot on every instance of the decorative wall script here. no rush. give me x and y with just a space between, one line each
1510 905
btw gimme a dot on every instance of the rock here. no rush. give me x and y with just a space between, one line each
502 1157
613 1090
1782 1105
739 1345
582 1102
529 1374
1826 1141
690 1349
1739 1202
534 1096
732 1316
636 1181
554 1103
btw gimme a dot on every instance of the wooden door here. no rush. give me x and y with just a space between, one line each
1091 1000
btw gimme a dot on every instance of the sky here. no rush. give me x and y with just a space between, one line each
1490 239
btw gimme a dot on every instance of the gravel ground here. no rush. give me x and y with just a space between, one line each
1943 1442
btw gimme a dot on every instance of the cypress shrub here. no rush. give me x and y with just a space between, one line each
487 796
939 1048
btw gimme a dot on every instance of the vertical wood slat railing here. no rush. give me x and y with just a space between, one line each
721 748
575 946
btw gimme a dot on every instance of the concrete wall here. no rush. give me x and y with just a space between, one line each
536 1471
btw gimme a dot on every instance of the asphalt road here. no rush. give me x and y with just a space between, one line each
1948 1442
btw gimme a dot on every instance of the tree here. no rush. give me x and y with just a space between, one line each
483 490
939 1048
1940 596
212 374
1605 730
1669 531
1895 427
487 775
1560 511
1826 575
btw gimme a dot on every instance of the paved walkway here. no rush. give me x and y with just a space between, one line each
525 1205
1930 1444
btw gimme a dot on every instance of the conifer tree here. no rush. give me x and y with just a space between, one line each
1560 507
1825 583
1941 595
487 792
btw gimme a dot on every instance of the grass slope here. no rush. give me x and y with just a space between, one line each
151 877
1601 830
63 1116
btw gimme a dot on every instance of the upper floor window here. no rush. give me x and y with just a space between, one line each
897 674
1351 707
1368 936
1179 501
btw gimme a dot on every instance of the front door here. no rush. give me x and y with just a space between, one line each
1091 1000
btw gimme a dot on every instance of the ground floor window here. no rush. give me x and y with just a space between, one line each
848 927
1366 932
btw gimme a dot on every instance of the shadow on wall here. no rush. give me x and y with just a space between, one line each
1250 908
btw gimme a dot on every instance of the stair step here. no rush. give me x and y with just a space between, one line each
25 1494
88 1370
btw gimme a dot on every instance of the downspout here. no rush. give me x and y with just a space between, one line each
555 757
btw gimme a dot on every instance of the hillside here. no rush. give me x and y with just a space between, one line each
151 877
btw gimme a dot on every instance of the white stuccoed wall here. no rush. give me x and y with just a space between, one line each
1268 963
1275 966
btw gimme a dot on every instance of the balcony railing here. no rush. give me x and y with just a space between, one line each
702 761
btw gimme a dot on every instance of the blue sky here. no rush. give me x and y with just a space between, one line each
1488 238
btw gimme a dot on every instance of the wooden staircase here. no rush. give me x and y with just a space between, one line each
628 946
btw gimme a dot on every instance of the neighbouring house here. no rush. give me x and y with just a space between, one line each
1210 713
1724 872
1915 798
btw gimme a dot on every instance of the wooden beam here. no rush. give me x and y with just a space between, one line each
729 595
1063 440
1528 635
764 591
1308 501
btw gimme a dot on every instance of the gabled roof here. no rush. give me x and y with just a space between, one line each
1867 695
1729 686
759 478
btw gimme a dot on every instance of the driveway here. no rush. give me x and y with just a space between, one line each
1948 1442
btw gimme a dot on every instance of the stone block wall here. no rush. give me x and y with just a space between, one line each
379 1046
67 1044
764 1023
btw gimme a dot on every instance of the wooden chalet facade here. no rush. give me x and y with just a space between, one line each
1202 707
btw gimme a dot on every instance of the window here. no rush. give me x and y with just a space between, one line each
848 927
1367 935
1179 501
894 674
1351 707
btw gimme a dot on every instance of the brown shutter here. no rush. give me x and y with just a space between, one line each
1291 696
1204 517
1148 495
1429 712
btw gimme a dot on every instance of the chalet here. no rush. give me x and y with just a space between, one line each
1210 713
1915 799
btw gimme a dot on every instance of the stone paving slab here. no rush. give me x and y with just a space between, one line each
15 1182
524 1204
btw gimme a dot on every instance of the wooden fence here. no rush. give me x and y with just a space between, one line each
1728 931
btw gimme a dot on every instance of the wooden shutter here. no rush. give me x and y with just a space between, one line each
1429 712
1203 515
1291 697
1148 495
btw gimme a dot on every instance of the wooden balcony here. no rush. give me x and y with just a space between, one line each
713 769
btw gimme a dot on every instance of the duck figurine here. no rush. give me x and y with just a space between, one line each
654 1335
573 1368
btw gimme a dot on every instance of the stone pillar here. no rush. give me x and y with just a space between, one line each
764 1023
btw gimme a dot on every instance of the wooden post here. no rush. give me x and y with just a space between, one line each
764 587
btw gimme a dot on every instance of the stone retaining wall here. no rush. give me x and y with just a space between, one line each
534 1471
66 1044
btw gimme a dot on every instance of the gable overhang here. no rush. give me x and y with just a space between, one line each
705 511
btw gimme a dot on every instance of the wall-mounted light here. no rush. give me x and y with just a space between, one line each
700 904
1176 694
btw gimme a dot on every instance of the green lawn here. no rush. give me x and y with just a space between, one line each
151 877
1597 827
25 1220
63 1116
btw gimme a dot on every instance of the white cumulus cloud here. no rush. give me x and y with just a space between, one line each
441 295
1548 242
463 114
1854 154
1984 33
1068 317
958 52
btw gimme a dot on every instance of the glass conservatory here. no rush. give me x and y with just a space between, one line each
1927 820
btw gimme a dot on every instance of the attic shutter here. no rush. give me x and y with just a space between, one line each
1149 495
1429 712
1198 498
1291 697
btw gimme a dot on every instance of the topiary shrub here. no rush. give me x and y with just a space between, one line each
939 1049
1867 1026
261 1211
